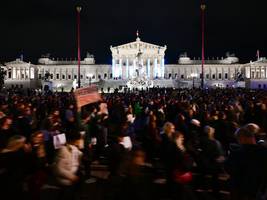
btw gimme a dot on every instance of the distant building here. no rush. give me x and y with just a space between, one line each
132 59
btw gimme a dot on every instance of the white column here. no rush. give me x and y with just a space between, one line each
14 73
162 67
120 68
148 68
127 68
155 67
134 67
113 68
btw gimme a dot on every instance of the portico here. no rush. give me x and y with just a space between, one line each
126 59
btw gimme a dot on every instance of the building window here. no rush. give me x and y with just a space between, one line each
81 76
51 76
170 75
63 76
105 76
93 77
213 76
75 76
175 75
110 75
22 76
207 76
57 76
252 74
226 76
69 77
182 76
220 76
99 76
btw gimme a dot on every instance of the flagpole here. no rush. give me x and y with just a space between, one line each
203 7
78 9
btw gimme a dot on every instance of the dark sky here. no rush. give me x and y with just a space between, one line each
36 27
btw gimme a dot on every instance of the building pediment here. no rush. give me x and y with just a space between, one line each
17 62
133 48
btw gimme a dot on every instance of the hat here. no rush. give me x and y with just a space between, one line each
195 122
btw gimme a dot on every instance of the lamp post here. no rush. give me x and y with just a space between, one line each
203 8
78 9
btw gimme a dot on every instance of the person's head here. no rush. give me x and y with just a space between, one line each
178 138
139 157
15 143
6 122
209 131
244 135
169 129
74 138
37 138
27 111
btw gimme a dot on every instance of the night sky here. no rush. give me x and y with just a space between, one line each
36 27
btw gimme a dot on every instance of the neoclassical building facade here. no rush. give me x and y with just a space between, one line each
131 60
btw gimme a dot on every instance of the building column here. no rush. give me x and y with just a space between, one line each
120 68
134 66
148 68
14 73
155 67
162 68
127 68
113 68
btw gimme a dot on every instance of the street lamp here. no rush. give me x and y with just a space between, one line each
78 9
193 76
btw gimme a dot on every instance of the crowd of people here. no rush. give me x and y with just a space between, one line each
144 135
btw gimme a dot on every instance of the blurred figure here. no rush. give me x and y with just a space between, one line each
38 166
6 131
139 178
67 165
247 164
14 166
211 157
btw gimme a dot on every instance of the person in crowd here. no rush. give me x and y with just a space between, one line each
182 164
67 166
138 183
210 158
246 166
6 131
14 164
